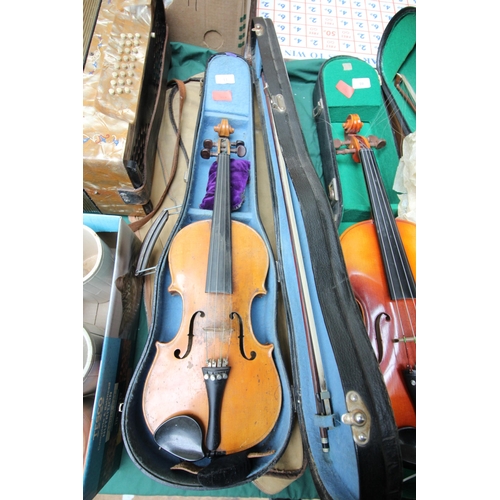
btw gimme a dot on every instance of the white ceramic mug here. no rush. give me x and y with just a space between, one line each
98 265
93 338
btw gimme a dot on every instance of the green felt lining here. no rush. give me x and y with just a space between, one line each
368 104
399 55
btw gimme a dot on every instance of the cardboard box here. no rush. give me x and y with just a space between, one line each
120 319
214 24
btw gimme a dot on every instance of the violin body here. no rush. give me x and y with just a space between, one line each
171 415
252 395
385 319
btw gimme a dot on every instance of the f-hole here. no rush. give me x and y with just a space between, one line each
177 352
378 335
241 338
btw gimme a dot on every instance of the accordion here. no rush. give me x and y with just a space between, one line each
125 64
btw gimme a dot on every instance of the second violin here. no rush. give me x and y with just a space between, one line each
380 257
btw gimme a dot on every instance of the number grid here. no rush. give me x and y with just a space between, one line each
312 29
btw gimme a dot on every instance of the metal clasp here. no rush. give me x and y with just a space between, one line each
258 29
358 418
277 101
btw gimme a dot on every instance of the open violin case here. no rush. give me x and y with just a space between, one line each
363 459
350 85
227 94
347 88
397 67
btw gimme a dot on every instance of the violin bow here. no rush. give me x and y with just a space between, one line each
408 93
323 406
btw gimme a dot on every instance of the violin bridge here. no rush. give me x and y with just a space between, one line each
217 363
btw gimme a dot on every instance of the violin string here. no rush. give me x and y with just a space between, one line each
214 312
383 208
216 331
223 168
387 112
215 249
219 314
227 200
386 249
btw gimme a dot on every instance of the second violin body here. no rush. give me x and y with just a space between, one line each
390 323
380 255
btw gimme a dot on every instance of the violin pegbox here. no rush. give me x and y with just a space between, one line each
222 145
354 142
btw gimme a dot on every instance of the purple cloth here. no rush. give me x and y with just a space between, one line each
240 173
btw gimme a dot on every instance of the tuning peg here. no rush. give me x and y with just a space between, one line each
375 142
205 154
239 148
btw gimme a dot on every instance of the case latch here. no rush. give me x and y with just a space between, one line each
277 101
333 191
318 109
358 418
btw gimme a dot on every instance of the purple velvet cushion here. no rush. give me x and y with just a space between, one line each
240 173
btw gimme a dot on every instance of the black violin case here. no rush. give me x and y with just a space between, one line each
347 85
364 457
227 94
350 85
331 110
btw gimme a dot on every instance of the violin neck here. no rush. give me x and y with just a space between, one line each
219 275
398 272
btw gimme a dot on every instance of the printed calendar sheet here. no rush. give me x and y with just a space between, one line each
311 29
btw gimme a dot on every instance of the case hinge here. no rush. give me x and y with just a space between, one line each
358 418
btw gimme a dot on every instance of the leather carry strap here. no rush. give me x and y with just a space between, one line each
181 88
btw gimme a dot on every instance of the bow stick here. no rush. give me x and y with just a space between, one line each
323 406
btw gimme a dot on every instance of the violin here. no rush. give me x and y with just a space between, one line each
214 379
380 257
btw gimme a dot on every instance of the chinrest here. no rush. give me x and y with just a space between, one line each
181 436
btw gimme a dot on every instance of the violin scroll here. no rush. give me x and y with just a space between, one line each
353 124
223 128
355 142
